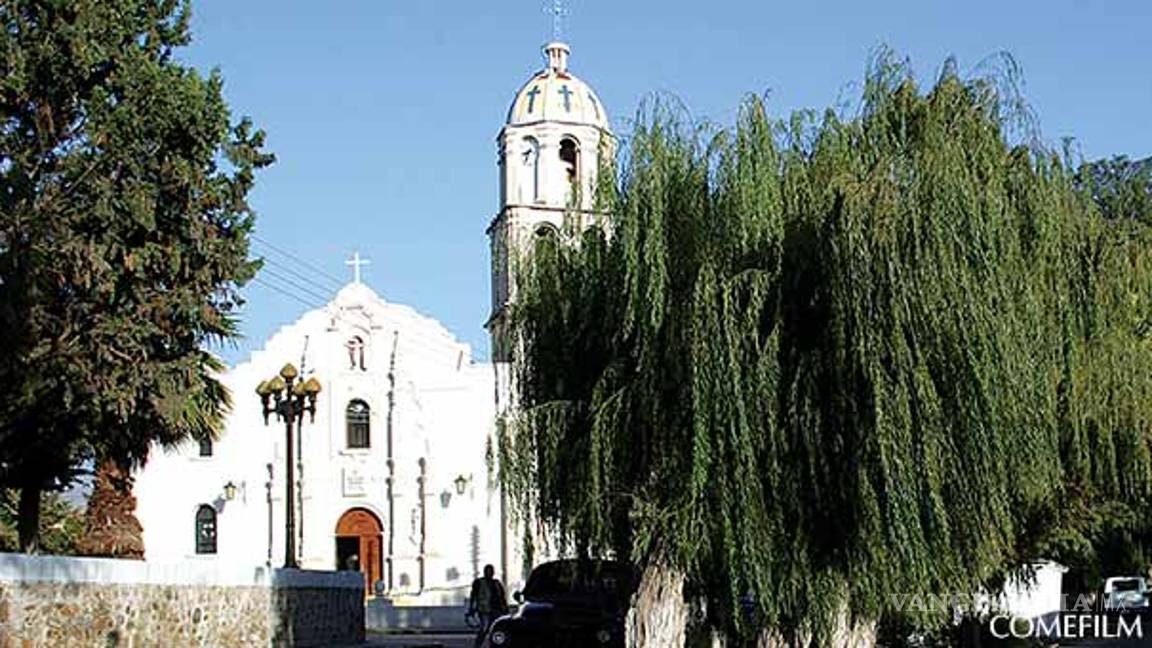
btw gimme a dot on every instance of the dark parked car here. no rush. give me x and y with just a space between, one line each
569 604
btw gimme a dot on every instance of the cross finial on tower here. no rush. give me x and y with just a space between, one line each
356 262
559 12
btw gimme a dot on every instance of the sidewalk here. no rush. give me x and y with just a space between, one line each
419 640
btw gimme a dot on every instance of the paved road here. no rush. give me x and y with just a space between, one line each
422 641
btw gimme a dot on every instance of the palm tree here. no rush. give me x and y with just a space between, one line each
111 527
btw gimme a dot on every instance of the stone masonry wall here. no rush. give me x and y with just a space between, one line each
84 614
311 616
54 601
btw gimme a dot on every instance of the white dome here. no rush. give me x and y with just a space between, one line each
556 95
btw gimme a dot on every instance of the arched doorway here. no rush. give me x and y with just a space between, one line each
358 542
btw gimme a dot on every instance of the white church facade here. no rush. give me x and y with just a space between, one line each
390 477
393 476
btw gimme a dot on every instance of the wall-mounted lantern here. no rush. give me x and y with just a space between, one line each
461 484
229 491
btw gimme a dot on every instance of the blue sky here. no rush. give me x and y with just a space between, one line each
383 113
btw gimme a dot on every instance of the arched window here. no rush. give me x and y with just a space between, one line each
355 348
546 239
359 426
205 530
205 447
530 181
570 158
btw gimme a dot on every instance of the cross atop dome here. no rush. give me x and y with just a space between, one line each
559 12
557 51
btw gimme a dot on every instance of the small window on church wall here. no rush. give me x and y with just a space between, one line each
205 530
570 157
205 447
359 426
355 348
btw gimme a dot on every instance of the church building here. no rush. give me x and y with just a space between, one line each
392 473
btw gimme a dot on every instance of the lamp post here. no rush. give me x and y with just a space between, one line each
289 399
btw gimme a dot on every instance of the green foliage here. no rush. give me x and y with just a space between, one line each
1121 187
123 234
833 358
61 524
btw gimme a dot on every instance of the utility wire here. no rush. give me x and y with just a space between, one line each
311 292
296 279
297 283
298 260
327 287
297 298
286 293
294 294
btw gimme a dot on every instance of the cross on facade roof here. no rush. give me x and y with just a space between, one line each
356 262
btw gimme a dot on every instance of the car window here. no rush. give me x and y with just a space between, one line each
1128 585
599 580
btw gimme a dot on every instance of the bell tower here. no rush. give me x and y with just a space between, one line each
549 154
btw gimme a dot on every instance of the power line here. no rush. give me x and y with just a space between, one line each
297 259
295 284
295 278
286 293
308 279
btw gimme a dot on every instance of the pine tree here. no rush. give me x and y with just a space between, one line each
123 237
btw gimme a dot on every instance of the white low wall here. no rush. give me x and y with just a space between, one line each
382 615
67 569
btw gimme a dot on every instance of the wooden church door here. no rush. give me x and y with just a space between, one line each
358 541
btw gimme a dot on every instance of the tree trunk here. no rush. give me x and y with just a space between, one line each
848 633
28 522
659 619
659 615
854 633
111 529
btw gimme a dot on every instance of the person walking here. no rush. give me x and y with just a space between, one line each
487 601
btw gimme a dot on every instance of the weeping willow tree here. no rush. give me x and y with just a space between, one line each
824 361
